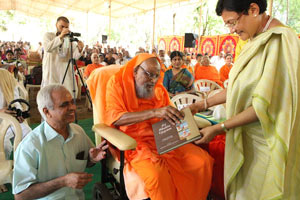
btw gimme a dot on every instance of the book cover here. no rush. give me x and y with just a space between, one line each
169 137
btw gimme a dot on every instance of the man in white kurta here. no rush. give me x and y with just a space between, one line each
57 52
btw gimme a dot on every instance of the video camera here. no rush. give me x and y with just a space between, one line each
72 35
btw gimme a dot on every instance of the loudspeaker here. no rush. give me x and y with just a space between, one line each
104 39
190 40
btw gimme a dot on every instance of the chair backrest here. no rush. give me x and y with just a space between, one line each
6 122
97 86
6 166
183 100
203 85
22 91
226 83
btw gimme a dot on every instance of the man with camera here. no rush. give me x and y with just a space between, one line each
57 52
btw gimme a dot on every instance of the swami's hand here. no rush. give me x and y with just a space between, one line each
169 113
208 133
197 107
98 153
77 180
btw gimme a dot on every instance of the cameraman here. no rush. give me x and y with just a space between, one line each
57 54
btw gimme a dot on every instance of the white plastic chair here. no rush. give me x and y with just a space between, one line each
22 91
183 100
205 86
6 166
226 83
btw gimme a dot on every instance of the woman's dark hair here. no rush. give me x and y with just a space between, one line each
229 54
199 55
176 53
239 6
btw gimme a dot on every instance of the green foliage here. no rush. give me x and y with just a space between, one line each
211 23
280 12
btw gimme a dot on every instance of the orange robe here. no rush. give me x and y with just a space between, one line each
207 72
91 67
224 72
184 173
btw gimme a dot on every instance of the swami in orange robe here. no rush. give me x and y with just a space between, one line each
206 71
182 174
91 67
224 71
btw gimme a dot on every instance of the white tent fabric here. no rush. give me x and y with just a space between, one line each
54 8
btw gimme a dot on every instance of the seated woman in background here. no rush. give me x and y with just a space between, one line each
178 79
224 71
205 71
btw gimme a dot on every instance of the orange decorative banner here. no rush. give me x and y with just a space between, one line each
162 44
176 43
227 43
209 45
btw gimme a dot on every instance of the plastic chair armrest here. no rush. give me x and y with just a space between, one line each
117 138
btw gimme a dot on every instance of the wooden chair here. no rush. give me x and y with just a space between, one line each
6 166
183 100
205 86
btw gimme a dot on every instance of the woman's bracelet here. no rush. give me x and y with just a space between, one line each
224 127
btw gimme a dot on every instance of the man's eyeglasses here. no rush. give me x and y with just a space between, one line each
149 74
232 23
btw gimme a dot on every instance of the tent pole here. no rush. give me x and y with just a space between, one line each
271 8
154 12
200 25
109 27
87 27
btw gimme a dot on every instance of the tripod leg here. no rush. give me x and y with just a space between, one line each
84 85
66 72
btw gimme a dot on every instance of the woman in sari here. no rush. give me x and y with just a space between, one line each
262 106
178 79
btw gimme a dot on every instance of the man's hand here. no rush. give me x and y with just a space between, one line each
64 32
12 113
169 113
77 180
98 153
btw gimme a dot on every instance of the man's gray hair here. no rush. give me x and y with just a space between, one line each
44 99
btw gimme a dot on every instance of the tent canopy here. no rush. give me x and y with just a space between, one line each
54 8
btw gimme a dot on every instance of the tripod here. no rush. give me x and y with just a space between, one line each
73 63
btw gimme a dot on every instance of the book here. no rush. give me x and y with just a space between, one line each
168 136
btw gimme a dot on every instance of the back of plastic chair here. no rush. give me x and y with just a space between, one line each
6 166
22 91
97 86
203 85
183 100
